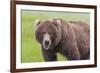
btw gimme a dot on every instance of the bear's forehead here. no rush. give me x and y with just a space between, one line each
47 24
46 29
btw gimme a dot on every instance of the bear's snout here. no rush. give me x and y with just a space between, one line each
46 41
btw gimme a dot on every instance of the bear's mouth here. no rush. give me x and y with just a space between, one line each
46 43
46 46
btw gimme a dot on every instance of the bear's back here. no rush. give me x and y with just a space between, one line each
82 33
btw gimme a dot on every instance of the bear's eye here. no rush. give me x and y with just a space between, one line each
50 33
43 32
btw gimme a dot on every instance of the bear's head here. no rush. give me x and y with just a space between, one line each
48 33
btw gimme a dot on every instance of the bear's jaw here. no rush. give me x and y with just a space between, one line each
46 47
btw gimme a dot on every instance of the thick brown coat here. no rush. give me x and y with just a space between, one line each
71 39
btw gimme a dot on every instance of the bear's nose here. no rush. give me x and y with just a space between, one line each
46 43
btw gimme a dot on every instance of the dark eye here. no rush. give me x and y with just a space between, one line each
43 32
50 33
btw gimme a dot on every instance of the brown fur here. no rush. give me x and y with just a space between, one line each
71 39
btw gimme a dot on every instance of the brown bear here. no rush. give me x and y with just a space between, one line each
71 39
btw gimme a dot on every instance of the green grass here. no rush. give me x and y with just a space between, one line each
30 48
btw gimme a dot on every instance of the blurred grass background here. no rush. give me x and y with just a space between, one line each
30 48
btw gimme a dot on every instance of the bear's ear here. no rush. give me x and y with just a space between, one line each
57 23
37 22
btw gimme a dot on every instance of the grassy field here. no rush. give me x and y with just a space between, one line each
30 48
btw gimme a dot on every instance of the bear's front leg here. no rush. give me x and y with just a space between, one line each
73 54
69 46
49 55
